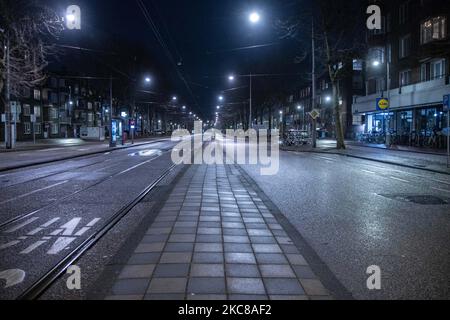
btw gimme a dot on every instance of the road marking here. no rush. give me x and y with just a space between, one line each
9 244
35 191
46 225
398 179
34 246
20 226
60 244
136 166
12 277
440 181
441 189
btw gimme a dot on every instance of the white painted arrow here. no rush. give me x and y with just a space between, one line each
13 277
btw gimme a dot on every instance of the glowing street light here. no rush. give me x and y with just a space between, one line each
148 80
220 98
218 107
327 98
174 98
376 63
231 78
254 17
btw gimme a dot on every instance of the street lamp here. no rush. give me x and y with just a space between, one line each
231 78
254 17
218 107
220 98
327 98
148 80
174 98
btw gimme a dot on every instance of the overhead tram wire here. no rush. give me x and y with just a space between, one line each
166 49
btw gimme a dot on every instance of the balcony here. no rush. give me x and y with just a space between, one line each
414 95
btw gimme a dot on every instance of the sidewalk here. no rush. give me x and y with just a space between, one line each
19 159
419 160
214 238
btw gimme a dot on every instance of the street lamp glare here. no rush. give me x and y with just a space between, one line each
220 98
70 17
231 78
254 17
148 79
328 99
299 107
376 63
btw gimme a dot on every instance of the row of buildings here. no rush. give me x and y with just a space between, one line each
406 62
77 108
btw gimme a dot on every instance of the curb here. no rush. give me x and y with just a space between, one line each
26 165
410 151
372 159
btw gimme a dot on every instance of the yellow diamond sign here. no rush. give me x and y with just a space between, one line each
314 114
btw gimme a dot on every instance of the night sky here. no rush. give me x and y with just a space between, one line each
203 36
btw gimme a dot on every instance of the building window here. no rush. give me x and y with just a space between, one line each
53 113
27 128
403 13
37 111
437 69
37 94
424 73
433 29
405 78
26 110
55 128
404 49
357 65
37 128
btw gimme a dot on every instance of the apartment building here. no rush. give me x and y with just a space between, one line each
407 62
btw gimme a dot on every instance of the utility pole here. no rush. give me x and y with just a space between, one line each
111 138
250 123
8 132
313 53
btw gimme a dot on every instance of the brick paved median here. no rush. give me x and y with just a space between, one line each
214 238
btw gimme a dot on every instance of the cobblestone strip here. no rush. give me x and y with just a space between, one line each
216 239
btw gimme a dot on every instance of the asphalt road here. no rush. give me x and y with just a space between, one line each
354 214
50 209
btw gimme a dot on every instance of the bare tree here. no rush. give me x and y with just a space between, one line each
339 30
29 30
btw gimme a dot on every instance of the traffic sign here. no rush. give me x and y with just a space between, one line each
447 102
382 104
314 114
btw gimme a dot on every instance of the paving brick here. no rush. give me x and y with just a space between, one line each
207 257
263 240
182 238
176 257
206 286
297 259
137 271
271 258
234 232
238 247
283 286
208 247
240 258
207 270
209 231
171 270
287 297
304 272
179 247
253 286
277 271
266 248
242 271
313 287
236 239
167 285
130 286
